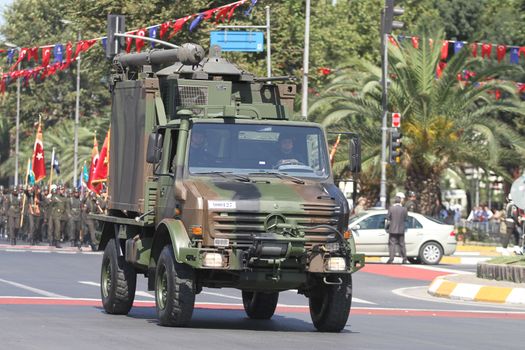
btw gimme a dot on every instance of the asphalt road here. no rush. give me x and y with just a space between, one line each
51 301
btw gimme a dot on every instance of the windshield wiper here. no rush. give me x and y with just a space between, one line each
226 174
280 176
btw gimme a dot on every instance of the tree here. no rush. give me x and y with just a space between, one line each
446 123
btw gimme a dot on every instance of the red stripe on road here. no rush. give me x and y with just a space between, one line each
280 308
403 271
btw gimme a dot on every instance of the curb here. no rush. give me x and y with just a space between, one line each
448 260
441 287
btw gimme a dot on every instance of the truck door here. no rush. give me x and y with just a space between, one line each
166 176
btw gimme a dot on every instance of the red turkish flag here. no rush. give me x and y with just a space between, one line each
178 24
164 27
392 40
222 14
474 48
129 41
32 53
21 55
69 53
415 42
101 171
501 50
486 50
46 56
444 50
39 164
93 167
139 43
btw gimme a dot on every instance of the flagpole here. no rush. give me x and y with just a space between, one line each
51 170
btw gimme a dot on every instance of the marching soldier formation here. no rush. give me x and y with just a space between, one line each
54 214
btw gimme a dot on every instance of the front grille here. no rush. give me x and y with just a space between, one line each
240 226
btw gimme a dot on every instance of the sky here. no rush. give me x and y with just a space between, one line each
2 5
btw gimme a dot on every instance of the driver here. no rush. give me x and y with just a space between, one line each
199 155
287 153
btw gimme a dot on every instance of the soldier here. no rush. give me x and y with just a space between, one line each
46 228
90 206
58 207
33 208
74 209
411 204
64 220
13 214
3 220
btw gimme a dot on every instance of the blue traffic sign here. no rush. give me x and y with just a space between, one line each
238 41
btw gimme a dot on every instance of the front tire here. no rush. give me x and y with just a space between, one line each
259 305
430 253
118 281
330 304
174 290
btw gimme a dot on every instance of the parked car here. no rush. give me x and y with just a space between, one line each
426 239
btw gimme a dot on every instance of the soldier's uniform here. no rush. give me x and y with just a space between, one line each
46 227
33 209
64 220
90 207
13 214
75 213
3 217
411 204
57 208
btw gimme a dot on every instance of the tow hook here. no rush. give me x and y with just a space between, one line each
338 282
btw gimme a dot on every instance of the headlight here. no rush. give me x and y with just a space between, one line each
212 260
336 264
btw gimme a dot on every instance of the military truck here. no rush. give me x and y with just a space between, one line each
211 185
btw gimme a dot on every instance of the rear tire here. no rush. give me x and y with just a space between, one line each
330 304
259 305
174 290
430 253
118 281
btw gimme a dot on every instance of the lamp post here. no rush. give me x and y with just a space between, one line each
306 60
77 109
17 155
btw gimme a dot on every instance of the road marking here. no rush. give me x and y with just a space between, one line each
31 289
144 294
15 250
364 311
222 295
89 283
40 251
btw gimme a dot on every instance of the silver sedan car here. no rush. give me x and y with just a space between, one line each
426 239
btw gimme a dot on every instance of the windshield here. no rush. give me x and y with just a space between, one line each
258 149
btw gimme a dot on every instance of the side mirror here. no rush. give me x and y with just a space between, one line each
356 227
355 155
154 151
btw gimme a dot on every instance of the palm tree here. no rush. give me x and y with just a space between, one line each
446 123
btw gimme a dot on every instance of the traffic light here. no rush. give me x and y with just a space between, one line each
395 147
389 13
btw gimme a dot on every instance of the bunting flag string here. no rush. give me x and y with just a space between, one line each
51 57
485 49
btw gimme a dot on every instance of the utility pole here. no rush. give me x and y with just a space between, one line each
387 25
77 117
306 63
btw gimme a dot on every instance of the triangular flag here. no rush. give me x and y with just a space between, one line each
415 42
444 50
474 48
458 45
501 50
486 50
514 55
153 34
139 43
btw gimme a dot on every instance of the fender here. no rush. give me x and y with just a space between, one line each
169 231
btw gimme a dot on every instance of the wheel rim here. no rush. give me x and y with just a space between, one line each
431 253
106 279
162 289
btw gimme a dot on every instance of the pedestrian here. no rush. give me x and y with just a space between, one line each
90 207
74 211
33 208
13 214
361 205
397 215
411 204
3 209
512 222
58 206
45 208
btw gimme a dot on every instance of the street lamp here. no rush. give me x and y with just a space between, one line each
77 108
8 44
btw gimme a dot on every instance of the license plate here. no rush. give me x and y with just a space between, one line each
221 242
